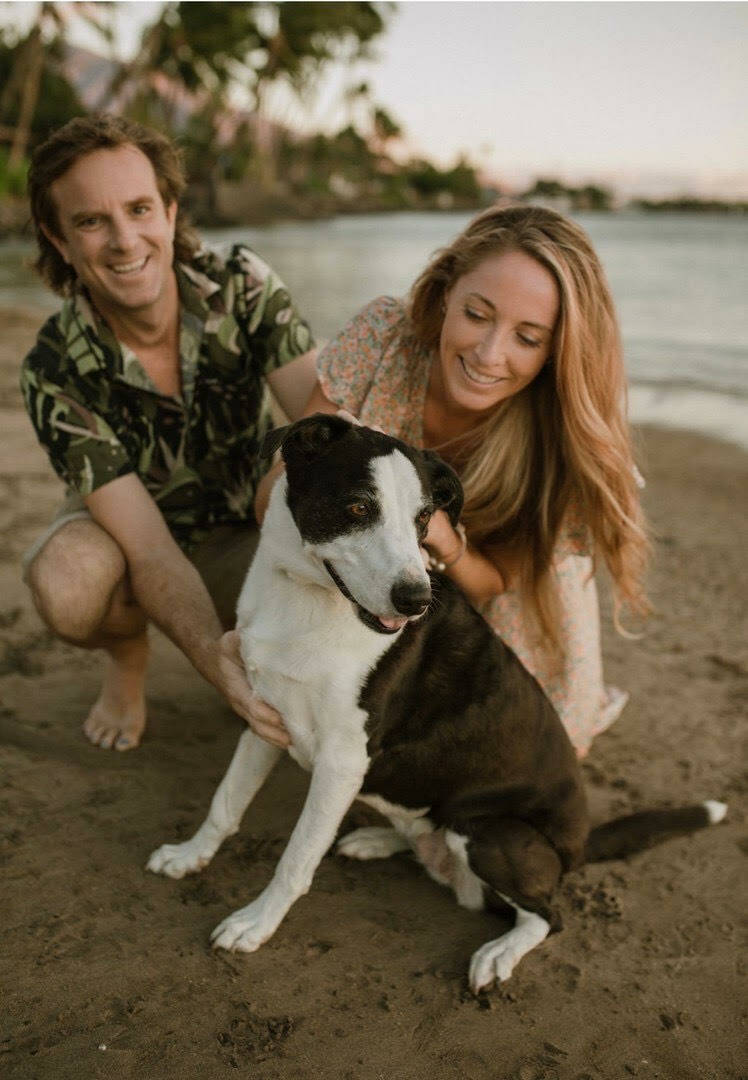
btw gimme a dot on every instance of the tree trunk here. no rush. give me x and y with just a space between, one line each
34 60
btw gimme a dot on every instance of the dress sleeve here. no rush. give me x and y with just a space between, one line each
348 364
263 305
83 449
574 536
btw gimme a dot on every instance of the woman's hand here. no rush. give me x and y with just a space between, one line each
232 682
442 540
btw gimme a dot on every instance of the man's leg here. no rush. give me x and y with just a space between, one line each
80 588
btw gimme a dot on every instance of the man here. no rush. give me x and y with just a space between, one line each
148 391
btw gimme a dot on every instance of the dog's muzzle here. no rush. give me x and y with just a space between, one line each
409 598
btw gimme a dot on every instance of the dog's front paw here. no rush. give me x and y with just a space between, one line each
246 929
176 860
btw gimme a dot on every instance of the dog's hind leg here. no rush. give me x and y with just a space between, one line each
252 762
372 842
522 868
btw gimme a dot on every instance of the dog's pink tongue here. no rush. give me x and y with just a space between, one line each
392 624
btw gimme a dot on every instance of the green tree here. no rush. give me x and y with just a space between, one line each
210 51
546 188
35 81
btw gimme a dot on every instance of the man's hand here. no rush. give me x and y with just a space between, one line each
232 682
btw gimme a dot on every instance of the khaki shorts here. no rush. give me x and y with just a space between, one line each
222 558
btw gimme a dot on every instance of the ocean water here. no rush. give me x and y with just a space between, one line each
680 284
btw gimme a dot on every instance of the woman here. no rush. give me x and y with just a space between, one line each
506 359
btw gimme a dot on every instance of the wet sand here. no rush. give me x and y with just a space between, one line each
107 970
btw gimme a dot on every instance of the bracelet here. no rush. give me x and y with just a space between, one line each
435 563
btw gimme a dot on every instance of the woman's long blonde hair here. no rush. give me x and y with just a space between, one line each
561 447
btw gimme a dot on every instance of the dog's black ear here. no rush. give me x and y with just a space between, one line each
309 436
273 440
446 489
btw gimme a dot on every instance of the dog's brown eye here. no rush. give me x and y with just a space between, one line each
358 510
424 518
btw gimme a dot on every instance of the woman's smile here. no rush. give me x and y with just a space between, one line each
497 333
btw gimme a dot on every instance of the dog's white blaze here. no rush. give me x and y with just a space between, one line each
393 550
370 562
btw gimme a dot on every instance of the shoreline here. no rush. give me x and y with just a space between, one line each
712 414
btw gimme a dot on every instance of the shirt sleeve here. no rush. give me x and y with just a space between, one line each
263 305
82 448
347 365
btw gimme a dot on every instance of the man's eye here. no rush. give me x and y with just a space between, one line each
358 510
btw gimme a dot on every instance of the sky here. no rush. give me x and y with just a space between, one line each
648 97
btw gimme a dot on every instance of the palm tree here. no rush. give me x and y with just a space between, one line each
42 45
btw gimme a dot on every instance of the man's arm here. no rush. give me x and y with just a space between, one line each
168 587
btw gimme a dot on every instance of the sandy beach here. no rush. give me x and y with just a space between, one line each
107 971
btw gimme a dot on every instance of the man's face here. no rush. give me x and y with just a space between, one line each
116 233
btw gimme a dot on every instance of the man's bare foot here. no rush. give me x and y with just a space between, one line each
117 718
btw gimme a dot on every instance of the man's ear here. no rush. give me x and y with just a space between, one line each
446 489
308 437
56 242
171 216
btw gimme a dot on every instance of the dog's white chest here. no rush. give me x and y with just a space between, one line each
313 677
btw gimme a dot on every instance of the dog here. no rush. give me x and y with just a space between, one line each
396 691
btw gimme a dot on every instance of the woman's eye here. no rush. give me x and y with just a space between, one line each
530 342
474 315
358 510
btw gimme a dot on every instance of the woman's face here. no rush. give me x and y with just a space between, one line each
497 331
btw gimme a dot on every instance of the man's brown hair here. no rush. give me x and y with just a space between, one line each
74 140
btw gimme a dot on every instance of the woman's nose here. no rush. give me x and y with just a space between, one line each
491 349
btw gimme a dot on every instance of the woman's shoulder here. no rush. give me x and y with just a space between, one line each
369 334
383 313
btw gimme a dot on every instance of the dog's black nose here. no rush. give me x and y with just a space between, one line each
411 597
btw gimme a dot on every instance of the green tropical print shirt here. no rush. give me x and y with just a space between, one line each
99 416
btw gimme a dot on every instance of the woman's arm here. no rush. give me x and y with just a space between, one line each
476 574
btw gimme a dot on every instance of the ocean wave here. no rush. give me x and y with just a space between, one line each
707 412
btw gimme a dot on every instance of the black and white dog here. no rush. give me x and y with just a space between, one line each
397 692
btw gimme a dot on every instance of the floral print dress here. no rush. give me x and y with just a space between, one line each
367 370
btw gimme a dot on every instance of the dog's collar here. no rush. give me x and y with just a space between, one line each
365 616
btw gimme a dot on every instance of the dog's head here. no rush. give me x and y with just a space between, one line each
362 502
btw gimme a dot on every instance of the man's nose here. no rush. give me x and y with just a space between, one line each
122 233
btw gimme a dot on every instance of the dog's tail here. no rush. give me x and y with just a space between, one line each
637 832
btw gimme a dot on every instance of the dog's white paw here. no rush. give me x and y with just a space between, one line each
246 929
496 960
493 962
176 860
372 842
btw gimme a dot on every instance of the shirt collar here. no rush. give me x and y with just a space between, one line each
90 342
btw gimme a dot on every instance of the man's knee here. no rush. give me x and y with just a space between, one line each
74 578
